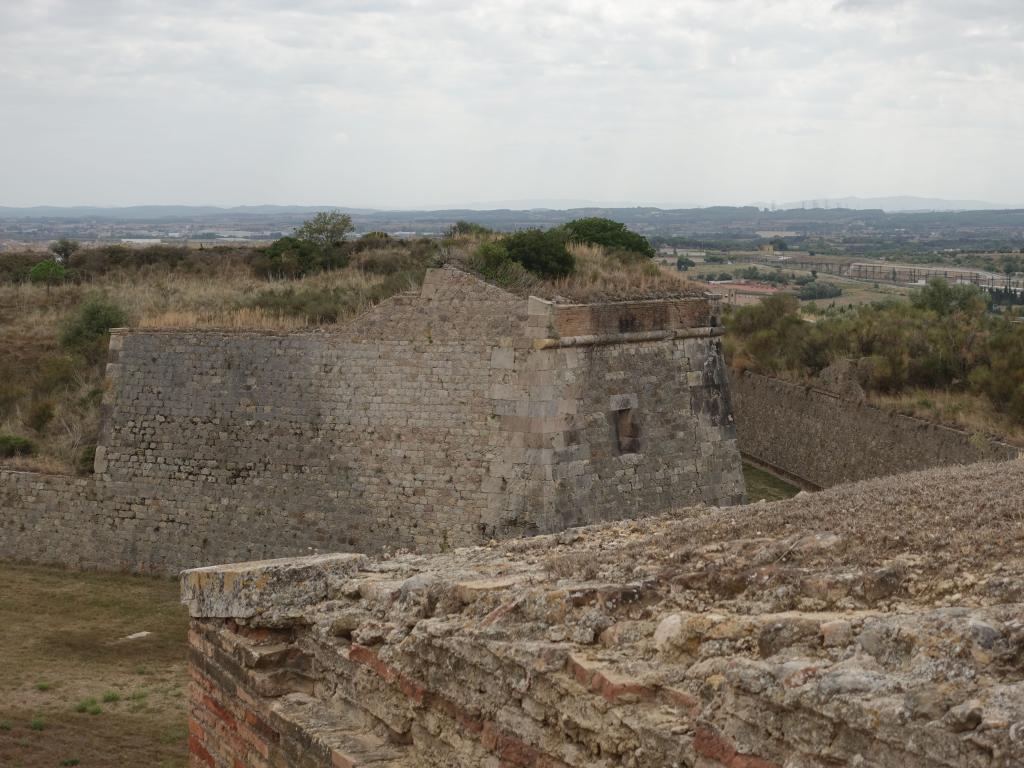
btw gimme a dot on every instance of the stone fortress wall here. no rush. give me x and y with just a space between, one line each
819 439
440 418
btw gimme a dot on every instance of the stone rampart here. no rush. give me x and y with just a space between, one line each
820 439
440 418
877 624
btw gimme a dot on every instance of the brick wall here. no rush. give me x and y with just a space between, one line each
821 439
437 419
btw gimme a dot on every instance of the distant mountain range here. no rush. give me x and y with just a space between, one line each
158 212
899 204
154 212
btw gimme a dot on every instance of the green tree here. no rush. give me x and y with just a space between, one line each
541 252
611 234
64 248
87 328
945 299
325 230
48 272
683 264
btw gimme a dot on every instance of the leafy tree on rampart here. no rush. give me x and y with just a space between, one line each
611 234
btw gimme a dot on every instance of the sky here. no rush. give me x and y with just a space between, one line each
409 103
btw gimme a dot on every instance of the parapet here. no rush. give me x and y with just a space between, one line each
875 624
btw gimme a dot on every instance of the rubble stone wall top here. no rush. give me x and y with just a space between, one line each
876 624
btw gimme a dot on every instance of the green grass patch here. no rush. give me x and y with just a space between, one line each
765 486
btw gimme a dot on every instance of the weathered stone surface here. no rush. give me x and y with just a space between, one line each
271 589
686 640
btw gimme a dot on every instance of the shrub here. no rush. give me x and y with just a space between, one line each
319 305
815 290
386 261
48 273
88 706
372 241
55 372
491 260
87 328
541 252
40 413
611 234
37 724
12 445
463 227
286 257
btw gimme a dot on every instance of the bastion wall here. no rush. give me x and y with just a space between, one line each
820 439
443 417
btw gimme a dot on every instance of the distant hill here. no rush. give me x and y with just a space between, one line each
898 204
160 212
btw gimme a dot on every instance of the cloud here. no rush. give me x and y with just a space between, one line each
401 102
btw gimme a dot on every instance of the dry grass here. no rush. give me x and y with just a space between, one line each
243 318
603 276
972 413
60 634
31 317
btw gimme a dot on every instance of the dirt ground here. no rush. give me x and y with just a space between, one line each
72 691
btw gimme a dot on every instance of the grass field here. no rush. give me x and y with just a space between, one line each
764 485
72 691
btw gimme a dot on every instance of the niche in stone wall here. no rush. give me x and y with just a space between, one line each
625 422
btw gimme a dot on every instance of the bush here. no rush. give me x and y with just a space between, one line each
463 227
286 257
492 261
40 413
12 445
814 290
86 329
48 273
611 234
55 372
386 261
319 305
372 241
541 252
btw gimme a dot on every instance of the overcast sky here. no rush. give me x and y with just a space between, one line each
401 103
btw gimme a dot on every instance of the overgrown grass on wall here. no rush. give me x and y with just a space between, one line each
50 391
